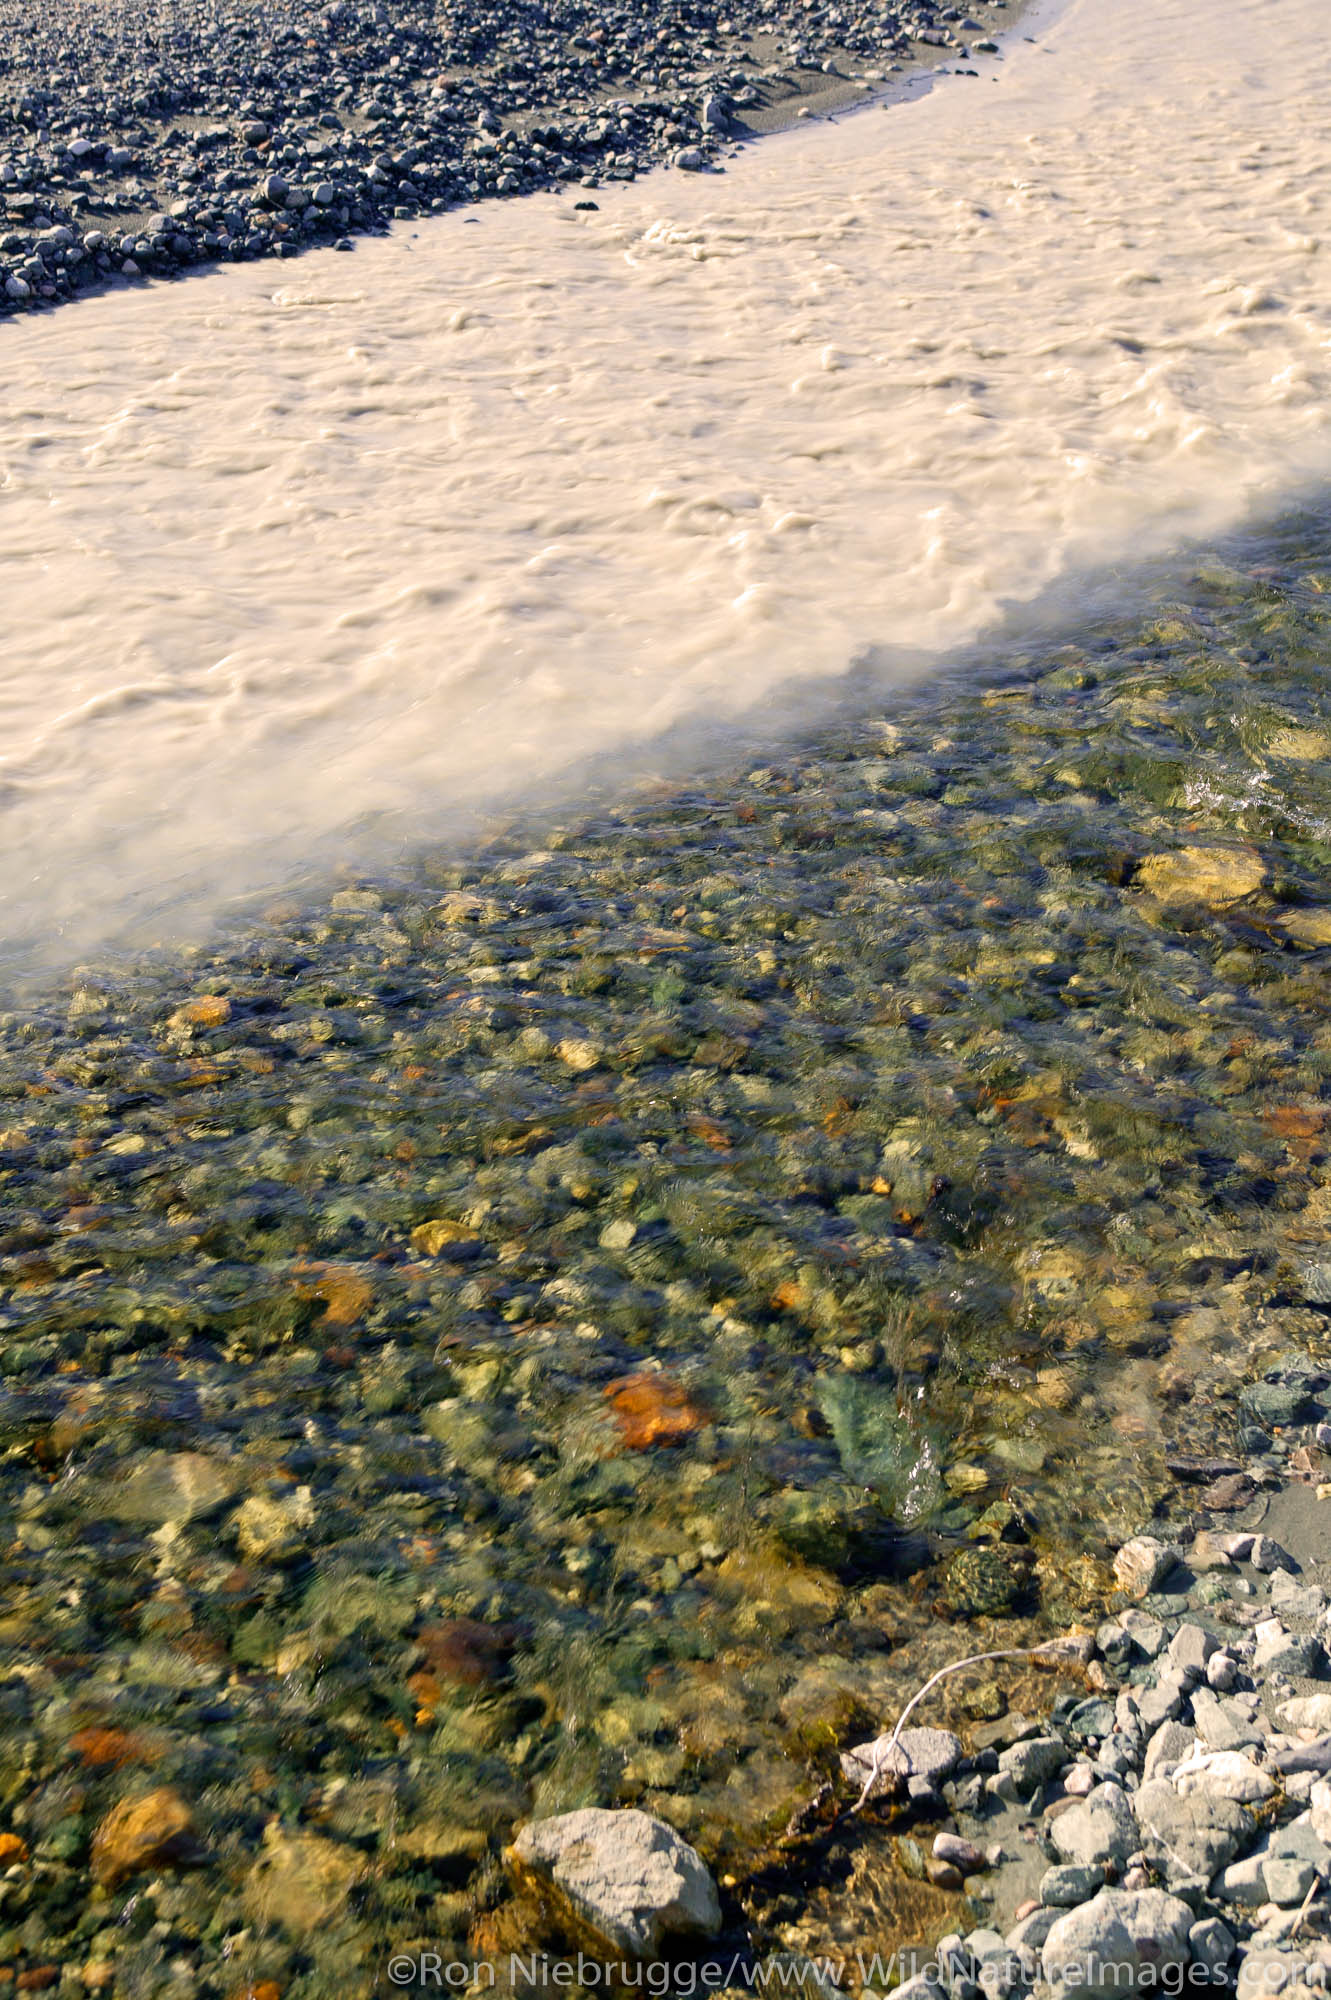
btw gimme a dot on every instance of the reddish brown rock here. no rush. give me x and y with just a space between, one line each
465 1651
345 1293
652 1410
108 1749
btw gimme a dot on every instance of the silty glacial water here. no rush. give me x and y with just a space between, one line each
305 567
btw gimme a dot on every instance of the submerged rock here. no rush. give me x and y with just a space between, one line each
301 1881
177 1486
140 1833
985 1581
1214 875
930 1754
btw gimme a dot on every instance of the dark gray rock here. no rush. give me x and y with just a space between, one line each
111 111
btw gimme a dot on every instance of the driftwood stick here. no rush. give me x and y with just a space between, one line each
881 1749
1297 1925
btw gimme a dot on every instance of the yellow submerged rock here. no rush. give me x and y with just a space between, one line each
1307 926
210 1010
1303 746
1214 875
301 1881
430 1238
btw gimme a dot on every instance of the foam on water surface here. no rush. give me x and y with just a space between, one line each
305 566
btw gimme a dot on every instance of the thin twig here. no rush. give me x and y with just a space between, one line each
882 1749
1313 1887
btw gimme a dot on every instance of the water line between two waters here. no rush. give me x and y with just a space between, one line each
305 562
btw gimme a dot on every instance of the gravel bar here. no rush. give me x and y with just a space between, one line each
141 140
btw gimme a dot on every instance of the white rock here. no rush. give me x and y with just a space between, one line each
1242 1882
1319 1803
1223 1774
1212 1943
1097 1829
1167 1749
921 1987
1265 1973
1191 1647
626 1875
1307 1711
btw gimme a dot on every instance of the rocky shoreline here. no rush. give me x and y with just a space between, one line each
1168 1827
146 141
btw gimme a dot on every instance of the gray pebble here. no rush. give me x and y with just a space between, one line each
1191 1647
1221 1672
1211 1943
1066 1886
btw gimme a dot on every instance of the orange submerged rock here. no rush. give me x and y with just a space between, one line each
12 1849
651 1409
345 1292
139 1833
210 1010
109 1748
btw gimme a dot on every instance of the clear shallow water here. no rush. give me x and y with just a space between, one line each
589 1321
321 565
